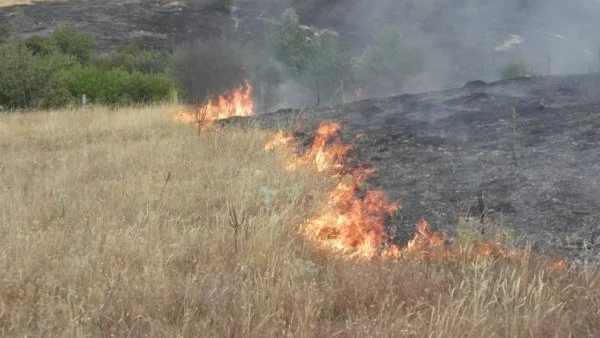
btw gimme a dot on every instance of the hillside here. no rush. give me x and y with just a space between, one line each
123 223
536 170
458 43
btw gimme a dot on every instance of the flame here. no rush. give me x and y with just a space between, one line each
351 223
328 150
235 103
359 93
280 139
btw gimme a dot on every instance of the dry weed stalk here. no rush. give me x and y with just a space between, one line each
237 222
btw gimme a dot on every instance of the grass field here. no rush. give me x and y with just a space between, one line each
6 3
121 223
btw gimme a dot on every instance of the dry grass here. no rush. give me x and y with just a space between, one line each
118 223
6 3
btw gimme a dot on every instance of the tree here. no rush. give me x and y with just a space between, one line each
70 42
384 66
29 81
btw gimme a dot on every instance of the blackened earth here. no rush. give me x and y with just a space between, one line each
536 169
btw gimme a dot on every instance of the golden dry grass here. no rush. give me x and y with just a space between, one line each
96 241
6 3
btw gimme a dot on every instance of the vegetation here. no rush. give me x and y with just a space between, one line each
56 71
514 70
385 66
121 223
305 63
292 62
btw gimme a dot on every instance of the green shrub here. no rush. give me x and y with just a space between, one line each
42 45
29 81
69 41
4 31
296 45
309 57
117 87
513 70
385 66
146 88
131 59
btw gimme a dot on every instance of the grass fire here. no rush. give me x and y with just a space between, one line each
238 102
126 223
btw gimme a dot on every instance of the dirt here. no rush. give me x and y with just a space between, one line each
152 25
537 171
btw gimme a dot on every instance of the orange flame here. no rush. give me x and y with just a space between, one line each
351 223
359 93
236 103
280 139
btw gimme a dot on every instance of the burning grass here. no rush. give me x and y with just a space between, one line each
238 102
124 223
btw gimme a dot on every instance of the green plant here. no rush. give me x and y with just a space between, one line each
225 4
42 45
131 59
4 32
117 87
385 65
513 70
30 81
71 42
296 45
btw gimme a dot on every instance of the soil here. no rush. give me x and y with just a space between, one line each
457 43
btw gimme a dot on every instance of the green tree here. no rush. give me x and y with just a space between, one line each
27 80
131 59
116 86
513 70
71 42
296 46
310 57
40 45
385 65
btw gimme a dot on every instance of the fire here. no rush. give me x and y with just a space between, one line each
359 93
328 149
282 138
235 103
351 223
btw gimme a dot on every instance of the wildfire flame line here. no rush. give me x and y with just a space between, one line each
351 223
235 103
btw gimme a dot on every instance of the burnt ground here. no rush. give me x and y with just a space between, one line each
438 152
144 23
457 41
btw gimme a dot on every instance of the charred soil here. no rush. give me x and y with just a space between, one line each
525 152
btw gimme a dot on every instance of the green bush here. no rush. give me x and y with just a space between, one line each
69 41
42 45
310 57
296 45
385 66
31 81
513 70
117 87
131 59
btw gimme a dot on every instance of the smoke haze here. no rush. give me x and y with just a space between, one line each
470 40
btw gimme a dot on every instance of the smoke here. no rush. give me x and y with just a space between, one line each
459 40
